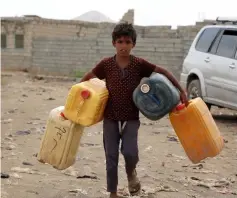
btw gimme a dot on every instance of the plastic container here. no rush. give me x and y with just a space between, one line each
197 130
86 102
61 140
156 96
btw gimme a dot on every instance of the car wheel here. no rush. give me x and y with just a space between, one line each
194 91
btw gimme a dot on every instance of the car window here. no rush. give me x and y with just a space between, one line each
206 39
228 43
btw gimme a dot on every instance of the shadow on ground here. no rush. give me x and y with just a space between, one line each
226 118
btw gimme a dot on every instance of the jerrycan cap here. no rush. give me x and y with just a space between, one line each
145 88
180 107
85 94
62 115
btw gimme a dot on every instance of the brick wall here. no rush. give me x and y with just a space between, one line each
61 47
12 58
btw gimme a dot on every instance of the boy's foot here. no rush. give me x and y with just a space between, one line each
134 185
113 195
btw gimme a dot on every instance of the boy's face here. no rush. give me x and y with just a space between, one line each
123 45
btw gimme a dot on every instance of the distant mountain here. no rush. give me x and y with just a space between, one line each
94 16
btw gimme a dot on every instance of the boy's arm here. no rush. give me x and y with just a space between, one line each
148 68
87 76
170 76
98 71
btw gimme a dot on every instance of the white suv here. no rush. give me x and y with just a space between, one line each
210 67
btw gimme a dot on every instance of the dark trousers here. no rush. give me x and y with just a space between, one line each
129 148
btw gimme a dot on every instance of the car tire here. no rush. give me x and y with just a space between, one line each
194 90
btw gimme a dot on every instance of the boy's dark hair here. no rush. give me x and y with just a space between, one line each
124 29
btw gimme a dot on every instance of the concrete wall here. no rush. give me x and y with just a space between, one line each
61 47
12 58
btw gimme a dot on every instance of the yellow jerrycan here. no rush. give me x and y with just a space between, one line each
61 140
86 102
196 130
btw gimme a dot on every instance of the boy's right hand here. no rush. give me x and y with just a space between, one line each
184 98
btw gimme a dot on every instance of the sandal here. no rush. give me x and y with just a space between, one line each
134 185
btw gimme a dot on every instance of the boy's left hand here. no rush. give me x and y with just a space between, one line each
184 98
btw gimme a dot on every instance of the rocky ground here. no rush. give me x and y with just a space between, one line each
164 169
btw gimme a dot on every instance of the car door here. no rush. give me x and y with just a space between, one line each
222 87
233 79
201 56
211 72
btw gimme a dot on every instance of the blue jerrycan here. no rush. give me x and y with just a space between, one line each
156 96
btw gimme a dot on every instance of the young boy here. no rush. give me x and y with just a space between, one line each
123 73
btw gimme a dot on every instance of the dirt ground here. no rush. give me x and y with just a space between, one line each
164 169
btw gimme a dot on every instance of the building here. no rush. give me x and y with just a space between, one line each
72 47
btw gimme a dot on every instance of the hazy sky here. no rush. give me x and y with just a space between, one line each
147 12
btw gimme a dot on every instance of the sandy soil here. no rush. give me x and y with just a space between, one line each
164 169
